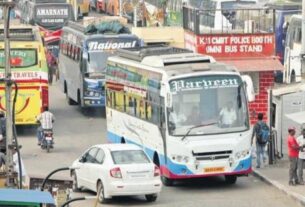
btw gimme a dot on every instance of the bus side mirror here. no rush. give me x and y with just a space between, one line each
169 98
285 27
248 87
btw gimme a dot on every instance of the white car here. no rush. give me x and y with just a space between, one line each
116 170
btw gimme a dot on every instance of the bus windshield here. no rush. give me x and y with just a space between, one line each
20 58
98 61
208 99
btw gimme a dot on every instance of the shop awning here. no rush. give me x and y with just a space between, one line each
255 64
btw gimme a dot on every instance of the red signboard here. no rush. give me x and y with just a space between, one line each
232 45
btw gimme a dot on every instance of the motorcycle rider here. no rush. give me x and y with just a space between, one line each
46 120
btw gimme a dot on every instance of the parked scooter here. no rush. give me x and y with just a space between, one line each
47 141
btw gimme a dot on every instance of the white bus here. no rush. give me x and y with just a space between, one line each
293 44
170 102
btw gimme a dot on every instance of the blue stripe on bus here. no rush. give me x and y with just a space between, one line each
175 168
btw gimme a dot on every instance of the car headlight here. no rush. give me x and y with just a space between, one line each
97 94
181 158
91 93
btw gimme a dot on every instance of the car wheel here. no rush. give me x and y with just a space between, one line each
151 197
75 187
167 181
101 193
231 179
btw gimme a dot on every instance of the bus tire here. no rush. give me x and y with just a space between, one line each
156 159
292 77
69 100
167 181
65 87
230 179
79 100
123 141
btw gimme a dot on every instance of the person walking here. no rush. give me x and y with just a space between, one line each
293 153
261 132
301 160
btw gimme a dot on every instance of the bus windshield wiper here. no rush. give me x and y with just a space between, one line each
194 127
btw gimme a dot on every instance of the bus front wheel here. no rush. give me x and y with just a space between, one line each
231 179
69 100
167 181
293 77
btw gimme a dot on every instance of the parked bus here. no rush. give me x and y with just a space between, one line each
283 13
82 63
29 70
80 8
293 44
50 16
169 101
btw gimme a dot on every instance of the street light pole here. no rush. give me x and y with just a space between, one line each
7 5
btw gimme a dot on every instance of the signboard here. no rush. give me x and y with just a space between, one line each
47 16
111 44
204 82
232 45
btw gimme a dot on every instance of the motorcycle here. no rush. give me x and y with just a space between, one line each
47 139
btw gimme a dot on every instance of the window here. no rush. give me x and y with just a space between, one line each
20 58
129 157
90 156
148 109
119 101
100 156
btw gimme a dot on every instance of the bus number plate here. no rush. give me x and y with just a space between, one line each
214 169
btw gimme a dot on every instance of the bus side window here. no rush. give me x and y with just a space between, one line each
142 109
155 113
129 105
148 111
78 54
74 53
119 101
68 49
71 51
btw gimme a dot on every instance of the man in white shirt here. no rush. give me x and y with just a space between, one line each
301 160
46 120
227 115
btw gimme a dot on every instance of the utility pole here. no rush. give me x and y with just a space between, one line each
7 5
303 40
121 7
135 12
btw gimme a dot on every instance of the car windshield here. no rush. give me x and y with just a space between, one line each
129 157
217 104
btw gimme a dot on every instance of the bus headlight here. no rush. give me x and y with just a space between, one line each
242 154
181 158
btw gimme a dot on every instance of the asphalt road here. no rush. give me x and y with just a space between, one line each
74 132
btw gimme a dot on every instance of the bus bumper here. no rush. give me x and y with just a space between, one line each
93 102
174 171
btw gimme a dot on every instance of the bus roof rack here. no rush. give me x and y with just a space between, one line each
138 53
77 26
19 34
